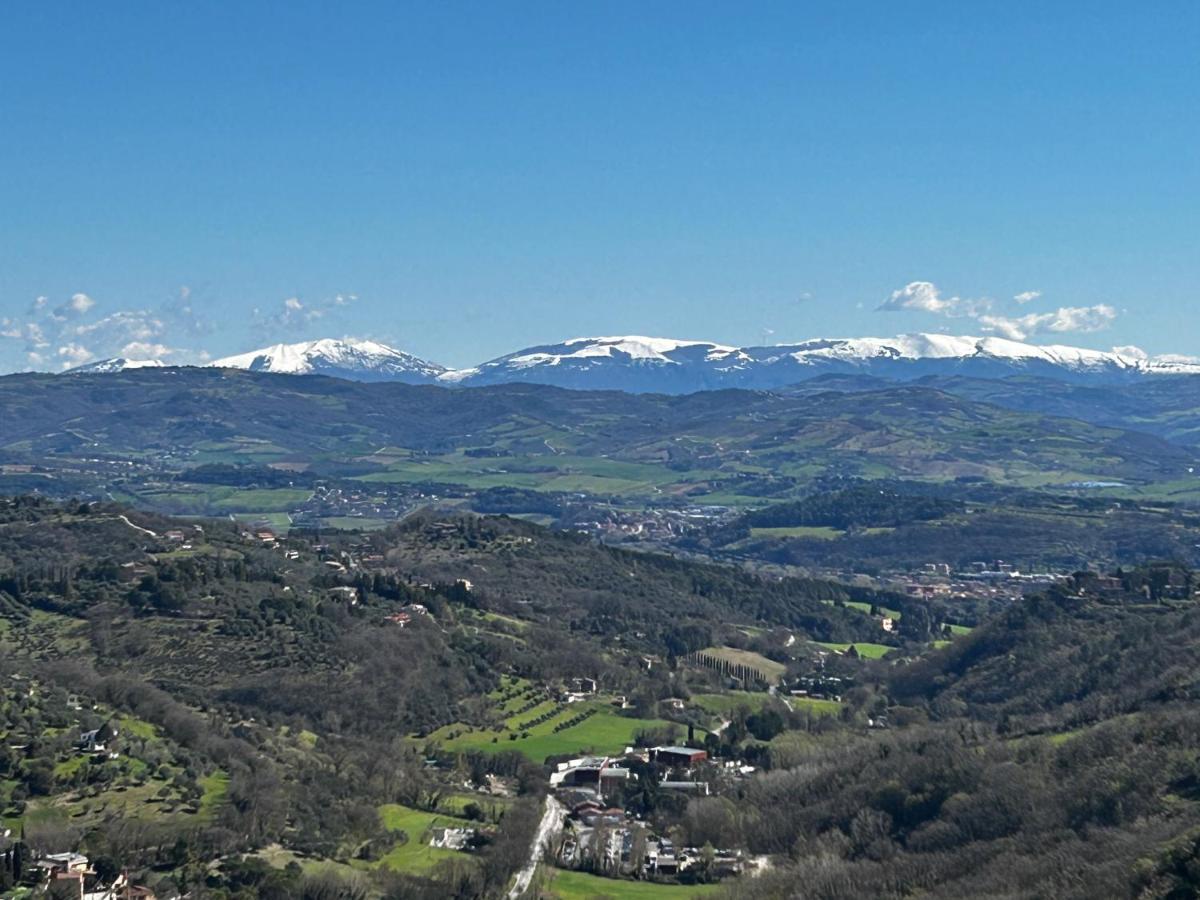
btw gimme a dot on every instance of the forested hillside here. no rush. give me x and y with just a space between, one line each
286 692
309 698
1049 753
128 433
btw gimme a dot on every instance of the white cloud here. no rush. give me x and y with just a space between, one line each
1064 319
70 333
71 355
294 315
144 350
924 296
920 295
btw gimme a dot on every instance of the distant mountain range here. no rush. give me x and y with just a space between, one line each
353 360
663 365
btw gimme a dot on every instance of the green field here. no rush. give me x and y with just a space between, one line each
493 807
724 704
206 499
865 649
604 732
547 472
567 885
815 706
866 608
415 854
817 532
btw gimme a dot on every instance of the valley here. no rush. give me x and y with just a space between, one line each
362 636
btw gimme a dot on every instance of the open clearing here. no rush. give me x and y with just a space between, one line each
864 649
581 886
816 532
415 854
603 731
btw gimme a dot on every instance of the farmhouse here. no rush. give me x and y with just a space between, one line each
677 756
451 838
96 740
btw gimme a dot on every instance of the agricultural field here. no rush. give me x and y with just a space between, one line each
863 648
769 670
816 706
724 704
543 471
603 732
537 726
209 499
139 776
567 885
815 532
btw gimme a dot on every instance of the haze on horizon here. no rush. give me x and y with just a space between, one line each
190 183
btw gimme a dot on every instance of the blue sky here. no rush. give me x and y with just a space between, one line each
462 180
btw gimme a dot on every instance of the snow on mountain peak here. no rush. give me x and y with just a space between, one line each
117 364
626 348
639 363
363 360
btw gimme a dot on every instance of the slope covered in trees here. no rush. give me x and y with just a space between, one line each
1050 753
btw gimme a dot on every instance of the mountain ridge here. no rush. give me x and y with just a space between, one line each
642 364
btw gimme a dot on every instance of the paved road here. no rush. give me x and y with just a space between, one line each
552 821
774 692
138 527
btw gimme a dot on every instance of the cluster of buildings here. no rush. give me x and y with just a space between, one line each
402 618
327 502
70 875
602 835
650 524
990 580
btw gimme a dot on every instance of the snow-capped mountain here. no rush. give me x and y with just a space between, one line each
642 364
664 365
630 363
350 359
116 364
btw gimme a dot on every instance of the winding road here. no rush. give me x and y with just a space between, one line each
552 821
